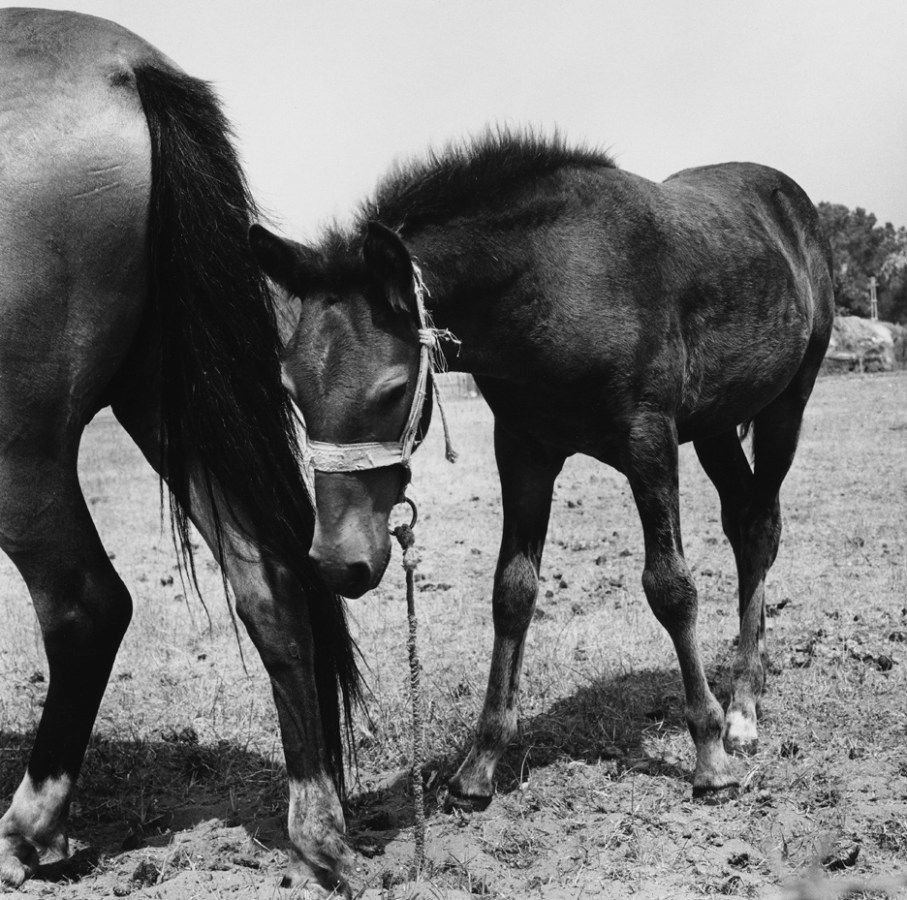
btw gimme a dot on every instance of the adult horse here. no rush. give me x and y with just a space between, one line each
600 313
126 280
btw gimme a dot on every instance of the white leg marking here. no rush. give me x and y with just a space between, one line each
37 812
740 728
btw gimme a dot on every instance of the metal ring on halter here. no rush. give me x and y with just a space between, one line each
412 506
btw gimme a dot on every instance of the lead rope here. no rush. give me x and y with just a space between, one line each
406 538
449 453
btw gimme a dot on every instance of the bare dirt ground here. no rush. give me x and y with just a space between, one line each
183 794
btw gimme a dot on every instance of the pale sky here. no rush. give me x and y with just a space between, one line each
324 96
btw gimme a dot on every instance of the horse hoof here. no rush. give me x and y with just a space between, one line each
467 803
319 883
717 796
18 859
13 873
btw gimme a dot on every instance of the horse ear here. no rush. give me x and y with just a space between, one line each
389 261
293 266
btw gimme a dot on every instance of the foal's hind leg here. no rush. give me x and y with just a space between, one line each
527 482
83 609
652 470
753 538
751 516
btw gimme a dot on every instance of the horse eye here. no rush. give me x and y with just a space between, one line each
393 395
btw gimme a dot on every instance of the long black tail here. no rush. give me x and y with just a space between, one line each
223 404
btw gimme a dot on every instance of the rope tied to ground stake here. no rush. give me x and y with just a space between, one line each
406 539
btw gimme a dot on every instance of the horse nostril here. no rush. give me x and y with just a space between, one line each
350 579
360 578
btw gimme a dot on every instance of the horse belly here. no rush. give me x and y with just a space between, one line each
74 186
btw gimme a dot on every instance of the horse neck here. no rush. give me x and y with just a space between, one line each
465 280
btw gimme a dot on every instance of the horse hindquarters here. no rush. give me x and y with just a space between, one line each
53 375
73 196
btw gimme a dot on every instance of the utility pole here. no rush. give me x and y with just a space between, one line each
873 300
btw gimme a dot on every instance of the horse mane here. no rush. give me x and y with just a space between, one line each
472 175
223 407
462 179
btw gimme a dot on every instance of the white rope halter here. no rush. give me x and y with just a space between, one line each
328 457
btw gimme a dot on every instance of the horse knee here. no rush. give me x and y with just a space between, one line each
257 611
671 593
516 586
280 634
83 610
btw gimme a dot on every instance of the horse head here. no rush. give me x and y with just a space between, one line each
358 374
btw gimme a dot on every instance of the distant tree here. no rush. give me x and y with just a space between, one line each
893 274
863 249
893 305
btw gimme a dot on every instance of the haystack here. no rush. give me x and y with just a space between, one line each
861 344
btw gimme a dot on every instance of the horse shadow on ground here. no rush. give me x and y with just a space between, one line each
609 720
135 794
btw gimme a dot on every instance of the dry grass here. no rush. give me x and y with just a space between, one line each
594 799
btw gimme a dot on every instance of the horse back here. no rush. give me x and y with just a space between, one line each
74 186
703 296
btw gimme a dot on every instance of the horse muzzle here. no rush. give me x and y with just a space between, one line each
350 572
351 546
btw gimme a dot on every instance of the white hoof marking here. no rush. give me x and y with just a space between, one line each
740 728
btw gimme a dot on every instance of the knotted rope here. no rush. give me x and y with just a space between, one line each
406 538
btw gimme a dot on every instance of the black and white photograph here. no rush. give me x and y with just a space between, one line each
453 450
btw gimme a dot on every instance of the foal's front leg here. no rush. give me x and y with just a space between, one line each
652 470
527 475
